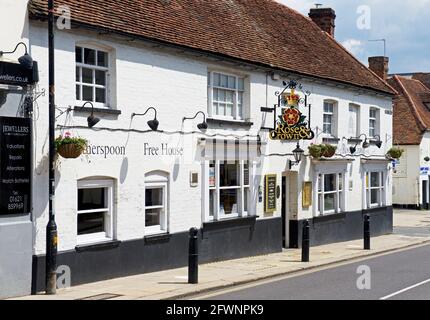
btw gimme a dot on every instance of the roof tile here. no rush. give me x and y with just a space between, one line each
257 31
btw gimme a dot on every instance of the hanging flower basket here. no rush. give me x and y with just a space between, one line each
395 153
315 151
329 151
322 150
69 147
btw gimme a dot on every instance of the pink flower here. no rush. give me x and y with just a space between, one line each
67 134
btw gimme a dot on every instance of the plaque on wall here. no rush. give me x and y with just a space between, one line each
15 166
307 195
270 190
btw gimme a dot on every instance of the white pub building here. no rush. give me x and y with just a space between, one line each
206 111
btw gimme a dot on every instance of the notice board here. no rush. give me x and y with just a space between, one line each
15 166
270 191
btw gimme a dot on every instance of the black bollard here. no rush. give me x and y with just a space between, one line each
366 232
305 242
193 257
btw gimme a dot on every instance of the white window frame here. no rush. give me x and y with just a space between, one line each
211 109
158 181
355 107
374 119
94 68
369 188
339 193
108 234
242 188
332 114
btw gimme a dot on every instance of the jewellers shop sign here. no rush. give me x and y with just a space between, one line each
16 74
15 165
292 125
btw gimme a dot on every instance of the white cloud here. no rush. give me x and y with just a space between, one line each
354 46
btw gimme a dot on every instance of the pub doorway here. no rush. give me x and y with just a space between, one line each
289 207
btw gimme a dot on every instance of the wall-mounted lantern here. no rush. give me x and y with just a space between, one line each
366 143
298 153
92 120
200 126
153 124
26 60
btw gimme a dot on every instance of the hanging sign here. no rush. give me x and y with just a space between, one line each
270 190
15 165
15 74
292 124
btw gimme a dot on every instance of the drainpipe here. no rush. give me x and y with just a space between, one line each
51 228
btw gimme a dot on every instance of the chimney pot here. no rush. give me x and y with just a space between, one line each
324 18
379 65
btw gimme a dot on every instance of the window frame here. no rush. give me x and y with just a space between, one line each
357 108
381 189
82 65
157 181
211 109
339 193
376 120
242 188
332 115
108 234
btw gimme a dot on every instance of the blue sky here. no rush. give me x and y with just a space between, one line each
405 24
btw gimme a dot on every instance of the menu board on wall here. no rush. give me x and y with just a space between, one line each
15 166
270 191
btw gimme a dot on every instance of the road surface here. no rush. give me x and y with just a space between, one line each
403 275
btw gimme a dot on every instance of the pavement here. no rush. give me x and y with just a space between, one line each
412 228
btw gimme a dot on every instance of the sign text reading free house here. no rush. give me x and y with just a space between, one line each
292 124
15 166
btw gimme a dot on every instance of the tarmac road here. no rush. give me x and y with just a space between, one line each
403 275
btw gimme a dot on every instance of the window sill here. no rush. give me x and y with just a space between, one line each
330 218
331 140
110 244
229 222
97 110
355 141
221 122
157 238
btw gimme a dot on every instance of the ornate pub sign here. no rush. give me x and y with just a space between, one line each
292 124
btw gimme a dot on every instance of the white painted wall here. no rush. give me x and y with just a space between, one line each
177 85
407 188
14 26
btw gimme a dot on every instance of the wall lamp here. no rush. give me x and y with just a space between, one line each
378 142
92 120
26 60
153 124
200 126
365 145
298 155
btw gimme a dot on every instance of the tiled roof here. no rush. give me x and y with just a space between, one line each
423 77
262 32
411 114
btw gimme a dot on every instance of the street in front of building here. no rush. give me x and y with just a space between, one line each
388 277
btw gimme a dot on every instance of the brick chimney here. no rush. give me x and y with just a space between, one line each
324 18
379 65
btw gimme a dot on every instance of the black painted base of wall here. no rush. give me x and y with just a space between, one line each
408 206
342 227
229 239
